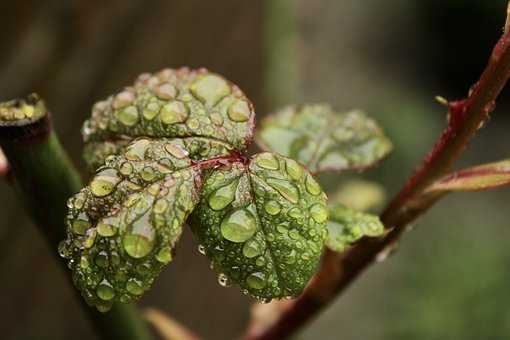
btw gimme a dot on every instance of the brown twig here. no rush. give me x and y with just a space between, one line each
465 118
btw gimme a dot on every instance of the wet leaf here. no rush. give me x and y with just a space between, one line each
123 226
171 103
347 226
481 177
262 224
323 140
360 195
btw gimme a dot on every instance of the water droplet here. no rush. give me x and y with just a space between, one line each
81 224
104 307
160 206
90 239
126 169
260 261
285 188
223 196
272 207
252 248
291 257
137 246
147 173
106 229
79 200
295 213
62 248
267 160
201 249
165 91
84 262
136 150
281 229
134 286
210 89
223 280
174 112
239 111
294 170
216 118
175 150
294 234
105 291
128 116
101 259
319 212
193 124
164 255
123 99
104 182
151 111
154 189
312 186
239 226
256 280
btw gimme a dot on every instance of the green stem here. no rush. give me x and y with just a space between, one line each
44 178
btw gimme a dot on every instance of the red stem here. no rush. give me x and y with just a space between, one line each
337 272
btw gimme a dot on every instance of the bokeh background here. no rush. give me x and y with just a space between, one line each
450 276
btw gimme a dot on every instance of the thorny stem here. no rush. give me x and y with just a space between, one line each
44 178
337 272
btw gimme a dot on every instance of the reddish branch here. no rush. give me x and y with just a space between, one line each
337 272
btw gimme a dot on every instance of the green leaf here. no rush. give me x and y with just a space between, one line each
360 195
262 224
481 177
347 226
323 140
123 226
171 103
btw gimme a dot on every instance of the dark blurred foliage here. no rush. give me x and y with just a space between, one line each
447 281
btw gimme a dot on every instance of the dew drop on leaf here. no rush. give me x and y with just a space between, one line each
164 255
134 287
81 224
312 186
210 89
223 196
238 226
239 111
104 182
272 207
319 212
256 280
137 246
174 112
294 170
285 188
252 248
105 229
105 291
267 161
128 116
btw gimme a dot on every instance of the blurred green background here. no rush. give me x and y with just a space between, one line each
450 276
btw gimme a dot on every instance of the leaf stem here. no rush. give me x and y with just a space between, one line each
44 178
337 272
